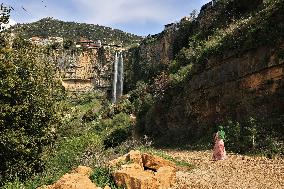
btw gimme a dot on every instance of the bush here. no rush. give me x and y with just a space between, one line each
233 134
241 137
102 177
253 136
122 106
118 130
92 114
116 137
28 118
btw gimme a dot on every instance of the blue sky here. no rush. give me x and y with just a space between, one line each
141 17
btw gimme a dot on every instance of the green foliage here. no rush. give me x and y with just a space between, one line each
233 132
69 153
118 130
180 75
92 114
123 106
253 136
103 177
92 104
17 184
66 155
4 15
116 137
141 98
186 29
73 31
221 133
139 69
28 120
67 44
77 112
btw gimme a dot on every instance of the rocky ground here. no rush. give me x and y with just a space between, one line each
237 171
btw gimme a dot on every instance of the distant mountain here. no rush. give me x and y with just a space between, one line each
74 31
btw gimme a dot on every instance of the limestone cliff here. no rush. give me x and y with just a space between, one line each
238 86
86 69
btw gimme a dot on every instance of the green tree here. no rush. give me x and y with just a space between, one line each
4 15
28 117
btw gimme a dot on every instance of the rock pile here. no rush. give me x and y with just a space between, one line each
144 171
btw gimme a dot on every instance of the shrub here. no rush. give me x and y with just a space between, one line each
118 130
253 136
233 134
123 106
102 177
92 114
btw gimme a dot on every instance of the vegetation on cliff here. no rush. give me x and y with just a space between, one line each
229 27
49 27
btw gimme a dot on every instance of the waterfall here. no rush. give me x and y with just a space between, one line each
117 84
114 82
120 77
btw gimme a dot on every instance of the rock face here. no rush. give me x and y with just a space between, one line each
235 86
145 171
77 179
87 70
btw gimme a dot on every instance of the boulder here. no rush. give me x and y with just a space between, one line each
133 176
77 179
166 177
74 181
155 162
144 171
134 156
83 170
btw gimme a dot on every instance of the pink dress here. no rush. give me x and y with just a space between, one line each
219 152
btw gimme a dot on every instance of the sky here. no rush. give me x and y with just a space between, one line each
141 17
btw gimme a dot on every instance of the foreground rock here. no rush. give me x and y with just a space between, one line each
144 171
77 179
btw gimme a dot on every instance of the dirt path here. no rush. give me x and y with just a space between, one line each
236 172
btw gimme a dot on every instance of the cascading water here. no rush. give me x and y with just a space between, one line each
120 77
117 84
114 82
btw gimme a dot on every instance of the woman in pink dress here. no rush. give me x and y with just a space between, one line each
219 152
